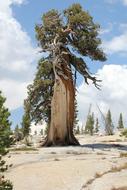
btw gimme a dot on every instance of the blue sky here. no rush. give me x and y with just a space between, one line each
19 51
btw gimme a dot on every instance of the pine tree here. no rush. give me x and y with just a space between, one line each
26 120
109 125
75 118
77 130
18 134
38 103
41 132
89 127
26 123
5 142
120 122
97 126
52 95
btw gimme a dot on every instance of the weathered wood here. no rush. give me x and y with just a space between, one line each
62 109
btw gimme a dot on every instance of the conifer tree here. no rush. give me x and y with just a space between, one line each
40 92
5 142
26 120
52 95
18 134
89 128
77 130
26 123
75 117
97 126
120 122
41 132
109 127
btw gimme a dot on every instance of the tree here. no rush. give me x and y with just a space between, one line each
89 128
109 125
120 122
5 142
52 95
77 130
82 130
76 121
124 133
26 120
97 126
26 123
41 132
18 134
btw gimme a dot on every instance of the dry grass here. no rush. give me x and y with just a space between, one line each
100 153
123 154
76 153
118 169
98 175
24 149
56 159
112 170
119 188
53 152
89 182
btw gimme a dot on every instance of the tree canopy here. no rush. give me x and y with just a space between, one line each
73 33
5 142
109 127
120 122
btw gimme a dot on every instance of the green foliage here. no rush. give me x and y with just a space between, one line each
109 125
120 122
18 134
40 92
124 133
46 129
26 120
47 31
75 116
85 33
71 31
41 132
5 142
89 127
26 124
97 126
24 149
77 130
84 38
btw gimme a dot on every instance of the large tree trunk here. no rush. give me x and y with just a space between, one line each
62 111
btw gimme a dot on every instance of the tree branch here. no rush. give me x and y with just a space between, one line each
81 67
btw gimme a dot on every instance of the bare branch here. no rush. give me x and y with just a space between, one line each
81 67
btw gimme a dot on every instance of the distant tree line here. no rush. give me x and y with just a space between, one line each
92 125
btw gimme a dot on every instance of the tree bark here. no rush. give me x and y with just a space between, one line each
62 109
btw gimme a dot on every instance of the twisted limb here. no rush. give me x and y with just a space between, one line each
80 65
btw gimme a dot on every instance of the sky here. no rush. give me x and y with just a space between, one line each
19 54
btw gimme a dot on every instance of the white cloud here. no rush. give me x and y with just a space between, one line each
125 2
16 56
16 90
112 96
106 30
117 44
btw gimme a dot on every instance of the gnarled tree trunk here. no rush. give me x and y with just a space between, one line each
62 109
